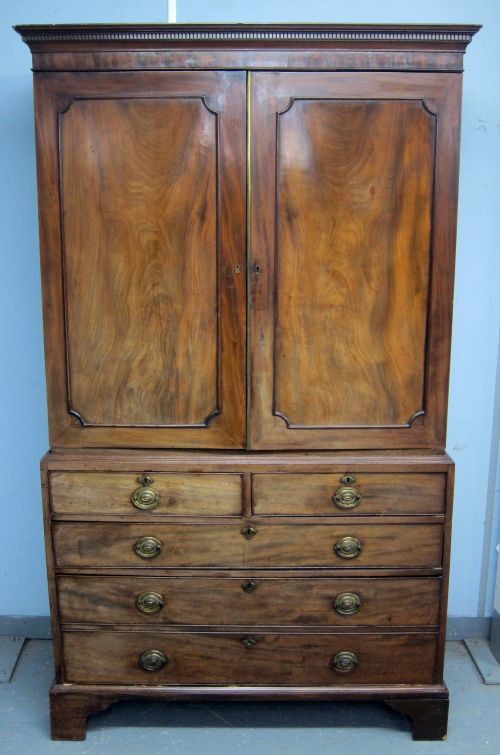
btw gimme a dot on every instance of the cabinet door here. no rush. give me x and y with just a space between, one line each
142 220
352 232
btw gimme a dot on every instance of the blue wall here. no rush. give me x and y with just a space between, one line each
23 436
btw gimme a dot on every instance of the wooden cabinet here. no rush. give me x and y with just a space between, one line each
247 240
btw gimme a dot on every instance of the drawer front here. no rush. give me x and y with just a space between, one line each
249 600
177 493
209 545
341 495
242 659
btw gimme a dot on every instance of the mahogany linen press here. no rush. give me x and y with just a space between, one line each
247 238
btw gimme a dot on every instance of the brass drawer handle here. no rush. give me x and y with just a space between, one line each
348 547
248 532
347 603
344 662
153 660
148 547
150 602
347 497
145 497
249 642
249 586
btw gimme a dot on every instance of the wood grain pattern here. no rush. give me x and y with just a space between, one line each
273 601
188 494
206 545
139 195
152 291
351 304
310 494
216 658
353 241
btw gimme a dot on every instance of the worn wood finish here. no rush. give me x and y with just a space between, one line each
310 494
140 364
352 250
194 545
222 658
248 599
186 494
361 387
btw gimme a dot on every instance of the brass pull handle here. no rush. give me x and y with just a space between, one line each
344 662
347 603
148 547
348 547
150 602
145 497
153 660
249 642
248 532
249 586
347 497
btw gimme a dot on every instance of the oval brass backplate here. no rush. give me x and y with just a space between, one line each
347 603
150 602
344 662
347 497
153 660
348 547
148 547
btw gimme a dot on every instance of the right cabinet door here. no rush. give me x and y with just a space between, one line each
353 184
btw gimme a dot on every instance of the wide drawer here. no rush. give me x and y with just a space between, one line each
336 494
249 599
258 659
260 545
186 494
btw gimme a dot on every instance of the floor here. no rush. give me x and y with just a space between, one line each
243 728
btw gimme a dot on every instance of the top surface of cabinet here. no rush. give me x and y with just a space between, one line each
235 259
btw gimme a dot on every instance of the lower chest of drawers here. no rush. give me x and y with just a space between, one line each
265 576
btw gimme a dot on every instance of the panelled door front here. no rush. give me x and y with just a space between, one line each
351 237
142 178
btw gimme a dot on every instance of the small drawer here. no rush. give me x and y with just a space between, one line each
249 600
258 545
193 494
348 493
256 658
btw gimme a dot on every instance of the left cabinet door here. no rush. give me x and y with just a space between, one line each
142 232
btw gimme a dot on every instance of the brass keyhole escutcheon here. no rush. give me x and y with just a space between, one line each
153 660
348 547
248 532
249 642
344 662
150 602
249 586
145 497
347 603
347 497
148 546
348 478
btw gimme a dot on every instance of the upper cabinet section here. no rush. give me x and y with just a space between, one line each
143 251
247 233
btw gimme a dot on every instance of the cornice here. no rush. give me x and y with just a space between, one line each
243 33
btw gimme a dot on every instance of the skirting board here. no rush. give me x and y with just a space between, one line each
38 627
